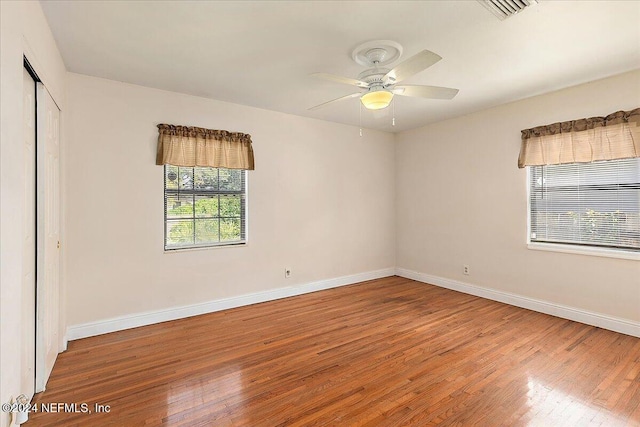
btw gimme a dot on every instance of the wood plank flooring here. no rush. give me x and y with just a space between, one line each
388 352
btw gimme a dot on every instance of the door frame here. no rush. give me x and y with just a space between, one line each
29 339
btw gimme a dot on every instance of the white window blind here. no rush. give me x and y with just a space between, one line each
589 204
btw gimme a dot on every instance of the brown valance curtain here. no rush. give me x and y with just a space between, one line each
193 146
616 136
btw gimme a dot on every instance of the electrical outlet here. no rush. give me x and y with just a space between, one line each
287 272
465 269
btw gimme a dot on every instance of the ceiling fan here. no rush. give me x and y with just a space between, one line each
381 84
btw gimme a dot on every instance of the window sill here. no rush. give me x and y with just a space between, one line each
583 250
205 248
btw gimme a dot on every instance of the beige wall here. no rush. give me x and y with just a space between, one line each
462 200
23 31
320 202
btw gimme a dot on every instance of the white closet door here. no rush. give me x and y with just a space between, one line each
28 323
48 232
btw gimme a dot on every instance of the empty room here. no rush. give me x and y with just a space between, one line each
320 213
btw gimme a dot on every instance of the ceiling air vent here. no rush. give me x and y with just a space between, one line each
506 8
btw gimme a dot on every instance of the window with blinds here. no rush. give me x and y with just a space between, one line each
204 207
589 204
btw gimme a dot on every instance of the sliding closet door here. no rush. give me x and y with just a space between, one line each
48 235
28 323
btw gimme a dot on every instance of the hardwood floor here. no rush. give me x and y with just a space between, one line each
388 352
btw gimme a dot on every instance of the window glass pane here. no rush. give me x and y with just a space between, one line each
179 232
185 178
230 180
230 206
207 231
179 206
171 177
207 206
206 178
229 229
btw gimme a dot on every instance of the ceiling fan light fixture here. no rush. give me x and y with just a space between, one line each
376 100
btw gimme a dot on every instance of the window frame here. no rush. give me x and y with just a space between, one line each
569 248
211 245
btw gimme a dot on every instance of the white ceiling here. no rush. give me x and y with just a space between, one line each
260 53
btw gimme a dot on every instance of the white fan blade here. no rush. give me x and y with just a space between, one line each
415 64
353 95
433 92
340 79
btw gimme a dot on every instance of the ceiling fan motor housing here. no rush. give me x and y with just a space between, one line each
373 75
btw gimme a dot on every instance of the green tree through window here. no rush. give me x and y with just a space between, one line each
204 206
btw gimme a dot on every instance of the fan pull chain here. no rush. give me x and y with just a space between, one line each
360 104
393 108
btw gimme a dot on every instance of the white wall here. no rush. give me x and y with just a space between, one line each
23 31
321 201
462 200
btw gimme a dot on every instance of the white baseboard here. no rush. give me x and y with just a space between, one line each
615 324
85 330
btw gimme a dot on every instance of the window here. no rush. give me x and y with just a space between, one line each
204 207
588 204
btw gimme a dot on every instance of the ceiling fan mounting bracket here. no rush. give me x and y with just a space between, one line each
377 53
